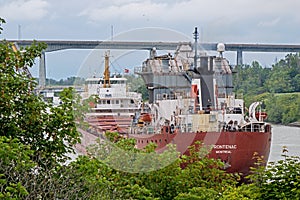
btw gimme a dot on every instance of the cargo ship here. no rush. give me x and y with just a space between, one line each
112 105
191 99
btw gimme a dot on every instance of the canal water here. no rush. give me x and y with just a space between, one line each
284 136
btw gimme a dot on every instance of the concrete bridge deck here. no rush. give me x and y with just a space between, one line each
56 45
239 48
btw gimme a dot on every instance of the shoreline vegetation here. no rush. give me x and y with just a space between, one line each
277 87
282 108
295 124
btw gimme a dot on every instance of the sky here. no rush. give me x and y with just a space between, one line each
227 21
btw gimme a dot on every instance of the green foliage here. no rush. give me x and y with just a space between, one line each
50 131
104 182
250 79
164 183
199 193
263 84
35 136
283 108
242 192
15 160
136 84
282 77
203 171
21 178
120 153
69 81
155 175
280 180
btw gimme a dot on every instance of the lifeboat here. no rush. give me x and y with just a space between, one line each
146 117
261 115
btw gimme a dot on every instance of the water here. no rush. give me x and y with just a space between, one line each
284 136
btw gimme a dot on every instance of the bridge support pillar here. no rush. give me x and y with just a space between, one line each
239 57
42 70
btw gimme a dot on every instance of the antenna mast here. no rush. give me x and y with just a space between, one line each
196 37
19 32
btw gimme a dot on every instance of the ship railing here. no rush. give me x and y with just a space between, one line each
166 96
134 95
158 69
120 95
109 95
137 69
141 69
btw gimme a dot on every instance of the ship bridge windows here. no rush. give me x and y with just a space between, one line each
235 110
108 101
92 82
115 82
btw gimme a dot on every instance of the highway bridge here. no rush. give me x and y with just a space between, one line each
239 48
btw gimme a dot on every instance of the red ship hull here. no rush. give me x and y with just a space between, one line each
235 149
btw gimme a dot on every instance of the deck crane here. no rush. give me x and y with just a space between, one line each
106 71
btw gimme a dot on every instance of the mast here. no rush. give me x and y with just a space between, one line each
106 71
196 37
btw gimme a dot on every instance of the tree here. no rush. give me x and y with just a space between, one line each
280 180
136 84
50 131
250 79
142 174
283 108
35 136
265 84
279 80
15 162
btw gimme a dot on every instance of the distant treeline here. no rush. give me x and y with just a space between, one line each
283 77
69 81
277 87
